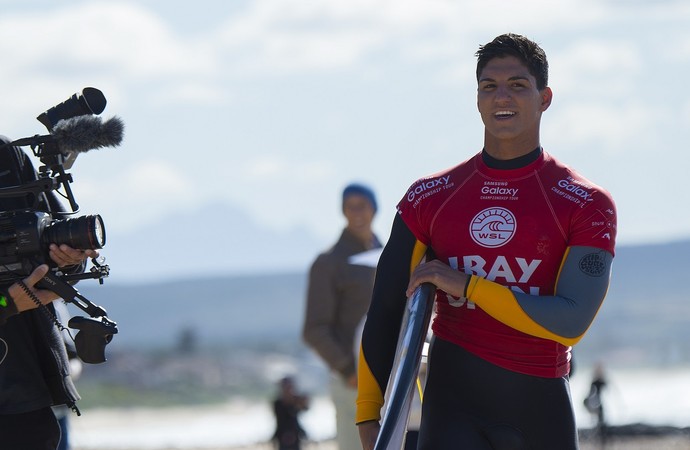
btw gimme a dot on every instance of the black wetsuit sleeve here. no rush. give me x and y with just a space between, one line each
382 327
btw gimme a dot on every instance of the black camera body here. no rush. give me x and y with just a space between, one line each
26 234
25 237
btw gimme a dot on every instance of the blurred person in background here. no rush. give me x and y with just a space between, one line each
288 404
594 403
338 296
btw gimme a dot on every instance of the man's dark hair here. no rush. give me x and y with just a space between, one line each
522 48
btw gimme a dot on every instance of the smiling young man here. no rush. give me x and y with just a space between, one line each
522 249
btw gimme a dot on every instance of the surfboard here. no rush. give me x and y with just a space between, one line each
408 356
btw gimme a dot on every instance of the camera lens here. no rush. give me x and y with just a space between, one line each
85 232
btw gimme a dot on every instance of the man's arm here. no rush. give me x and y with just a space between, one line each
382 327
564 317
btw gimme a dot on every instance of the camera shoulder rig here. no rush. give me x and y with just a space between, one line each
96 331
26 233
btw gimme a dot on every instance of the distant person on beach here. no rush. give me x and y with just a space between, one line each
520 248
593 402
338 297
34 367
286 407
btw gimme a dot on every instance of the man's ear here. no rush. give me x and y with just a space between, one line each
546 98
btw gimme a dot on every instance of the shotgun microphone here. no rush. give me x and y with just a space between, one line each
79 134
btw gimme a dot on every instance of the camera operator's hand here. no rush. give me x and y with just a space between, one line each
65 256
21 298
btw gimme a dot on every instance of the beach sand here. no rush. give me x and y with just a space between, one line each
640 443
618 443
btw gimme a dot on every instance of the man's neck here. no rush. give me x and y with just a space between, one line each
514 163
510 149
364 235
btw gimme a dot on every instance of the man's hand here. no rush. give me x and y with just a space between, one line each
21 298
65 256
368 432
441 275
351 381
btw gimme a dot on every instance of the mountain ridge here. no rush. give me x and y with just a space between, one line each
643 320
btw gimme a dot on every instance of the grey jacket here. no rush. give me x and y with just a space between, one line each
338 298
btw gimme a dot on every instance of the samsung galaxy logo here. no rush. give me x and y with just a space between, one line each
500 191
427 185
575 190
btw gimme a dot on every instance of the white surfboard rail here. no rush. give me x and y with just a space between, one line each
408 355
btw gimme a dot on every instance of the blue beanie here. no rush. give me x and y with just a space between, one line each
360 189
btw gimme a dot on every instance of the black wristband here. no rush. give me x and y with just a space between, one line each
467 284
7 305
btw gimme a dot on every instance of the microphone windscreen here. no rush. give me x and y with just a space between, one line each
83 133
111 133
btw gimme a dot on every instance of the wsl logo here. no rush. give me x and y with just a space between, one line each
493 227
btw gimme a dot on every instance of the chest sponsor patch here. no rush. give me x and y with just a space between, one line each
493 227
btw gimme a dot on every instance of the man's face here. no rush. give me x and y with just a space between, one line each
358 211
509 102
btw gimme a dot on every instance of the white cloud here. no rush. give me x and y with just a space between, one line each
616 128
597 56
136 195
293 35
597 69
605 70
124 43
273 169
156 179
108 36
191 92
109 43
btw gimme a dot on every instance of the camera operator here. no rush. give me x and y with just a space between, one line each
34 368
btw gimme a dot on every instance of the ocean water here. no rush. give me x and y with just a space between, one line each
652 396
235 423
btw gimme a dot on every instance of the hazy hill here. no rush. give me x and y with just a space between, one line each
644 319
209 241
219 310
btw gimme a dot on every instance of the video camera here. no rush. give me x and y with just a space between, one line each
26 234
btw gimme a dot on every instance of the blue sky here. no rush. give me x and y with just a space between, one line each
272 106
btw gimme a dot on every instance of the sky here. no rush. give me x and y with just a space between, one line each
270 107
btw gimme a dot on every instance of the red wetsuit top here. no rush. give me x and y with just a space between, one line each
512 227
